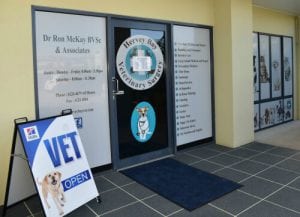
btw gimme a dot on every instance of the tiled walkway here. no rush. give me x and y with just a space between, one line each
270 175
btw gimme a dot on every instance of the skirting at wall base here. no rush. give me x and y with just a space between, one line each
193 144
1 209
101 168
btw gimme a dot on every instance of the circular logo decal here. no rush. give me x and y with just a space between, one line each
140 62
143 122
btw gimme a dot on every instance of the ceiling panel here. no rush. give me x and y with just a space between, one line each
290 6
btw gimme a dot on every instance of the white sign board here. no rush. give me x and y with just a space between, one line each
71 73
192 67
58 164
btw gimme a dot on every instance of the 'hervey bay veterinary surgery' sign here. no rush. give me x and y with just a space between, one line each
140 62
58 164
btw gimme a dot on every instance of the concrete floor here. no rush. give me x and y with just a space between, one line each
285 135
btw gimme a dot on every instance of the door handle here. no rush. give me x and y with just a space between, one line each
116 91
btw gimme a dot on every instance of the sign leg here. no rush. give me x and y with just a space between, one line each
98 199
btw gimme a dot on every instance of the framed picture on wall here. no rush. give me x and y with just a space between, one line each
271 113
276 66
255 67
264 66
288 65
288 109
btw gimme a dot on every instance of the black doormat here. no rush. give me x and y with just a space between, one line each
184 185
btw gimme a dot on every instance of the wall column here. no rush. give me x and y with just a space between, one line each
233 72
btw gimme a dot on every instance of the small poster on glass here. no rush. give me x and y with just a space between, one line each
256 116
288 109
276 66
255 67
264 67
288 66
271 113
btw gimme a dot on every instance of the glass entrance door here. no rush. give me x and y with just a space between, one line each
139 83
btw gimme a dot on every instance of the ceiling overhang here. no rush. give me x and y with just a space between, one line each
288 6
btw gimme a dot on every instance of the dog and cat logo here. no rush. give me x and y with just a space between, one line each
31 133
140 62
143 122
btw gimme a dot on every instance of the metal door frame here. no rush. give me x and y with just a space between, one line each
142 158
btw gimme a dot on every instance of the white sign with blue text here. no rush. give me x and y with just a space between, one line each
58 163
192 83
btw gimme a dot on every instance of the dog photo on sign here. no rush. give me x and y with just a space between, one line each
143 123
51 184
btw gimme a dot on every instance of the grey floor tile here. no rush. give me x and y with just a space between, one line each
287 198
161 204
296 184
206 166
138 190
231 174
235 202
278 175
225 159
250 166
102 173
39 214
290 164
256 146
296 157
259 187
118 178
81 211
285 152
111 200
134 210
203 153
267 158
17 210
192 148
243 153
103 185
34 204
219 148
204 211
265 209
184 158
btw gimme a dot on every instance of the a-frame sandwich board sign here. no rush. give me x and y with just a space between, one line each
58 164
20 185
